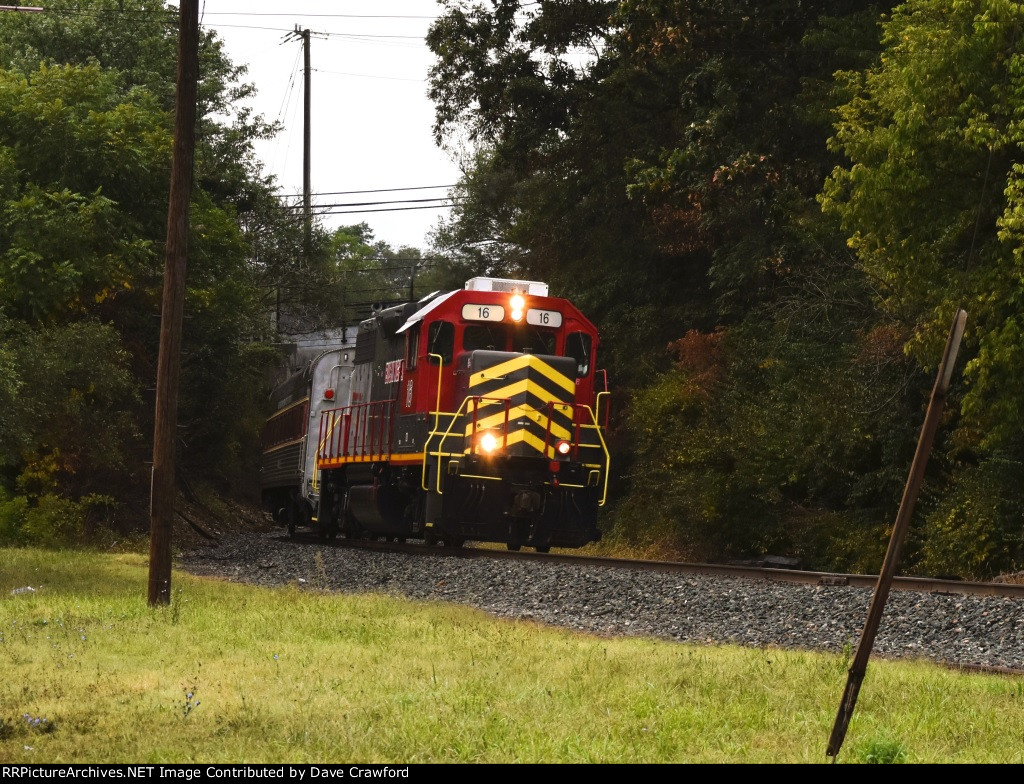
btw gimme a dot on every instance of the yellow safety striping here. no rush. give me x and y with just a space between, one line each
525 386
519 412
523 436
525 362
539 387
396 459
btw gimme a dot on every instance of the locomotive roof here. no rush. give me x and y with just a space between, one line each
479 284
433 303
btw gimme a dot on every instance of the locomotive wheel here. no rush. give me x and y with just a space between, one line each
454 541
543 549
513 547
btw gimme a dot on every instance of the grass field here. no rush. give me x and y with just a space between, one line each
230 673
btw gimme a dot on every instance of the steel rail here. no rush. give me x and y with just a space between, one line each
770 574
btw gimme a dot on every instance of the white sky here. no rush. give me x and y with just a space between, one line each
371 119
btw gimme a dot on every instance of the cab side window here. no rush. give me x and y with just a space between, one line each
578 346
441 340
412 346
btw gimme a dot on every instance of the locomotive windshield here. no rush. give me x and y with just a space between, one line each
492 337
536 341
498 337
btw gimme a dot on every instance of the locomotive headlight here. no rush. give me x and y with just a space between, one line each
517 304
488 443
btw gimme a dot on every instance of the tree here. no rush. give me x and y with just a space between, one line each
78 156
931 204
85 98
667 179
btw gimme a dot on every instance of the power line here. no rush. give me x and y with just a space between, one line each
372 203
370 76
331 16
372 35
388 209
375 190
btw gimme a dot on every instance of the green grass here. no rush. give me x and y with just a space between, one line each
295 676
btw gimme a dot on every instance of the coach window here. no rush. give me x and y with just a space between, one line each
578 346
441 340
412 347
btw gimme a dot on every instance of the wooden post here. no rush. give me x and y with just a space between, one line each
172 308
307 188
899 531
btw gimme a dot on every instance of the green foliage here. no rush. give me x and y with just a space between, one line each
86 93
75 408
929 202
725 458
974 527
13 512
51 521
882 751
77 151
930 199
353 273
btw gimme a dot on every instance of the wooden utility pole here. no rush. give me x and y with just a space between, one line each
165 425
307 188
899 532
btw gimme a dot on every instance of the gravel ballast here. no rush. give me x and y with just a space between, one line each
953 629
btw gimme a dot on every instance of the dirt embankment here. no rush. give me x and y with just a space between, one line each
201 521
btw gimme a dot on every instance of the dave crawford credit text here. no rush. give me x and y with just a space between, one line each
296 772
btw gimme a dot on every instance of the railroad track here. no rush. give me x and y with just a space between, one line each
965 626
920 584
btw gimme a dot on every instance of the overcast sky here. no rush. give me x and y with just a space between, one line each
371 118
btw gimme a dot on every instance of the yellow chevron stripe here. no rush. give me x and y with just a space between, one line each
521 363
525 385
497 420
497 372
529 438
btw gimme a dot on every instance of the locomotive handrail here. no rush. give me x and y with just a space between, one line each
597 405
370 436
334 424
437 423
439 453
604 448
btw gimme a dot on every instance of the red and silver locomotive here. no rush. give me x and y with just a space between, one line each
472 415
